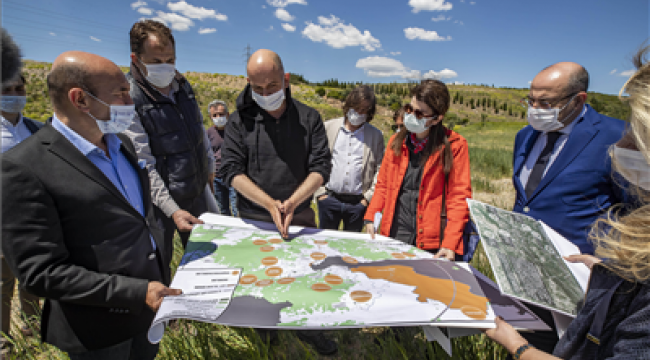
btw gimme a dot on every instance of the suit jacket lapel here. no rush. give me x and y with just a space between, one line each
61 147
520 158
581 135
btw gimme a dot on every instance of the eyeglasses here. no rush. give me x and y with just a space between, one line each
395 127
544 104
418 114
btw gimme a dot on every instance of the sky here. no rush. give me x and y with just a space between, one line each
500 43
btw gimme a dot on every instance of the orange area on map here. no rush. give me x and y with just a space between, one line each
265 282
276 241
408 254
287 280
235 272
398 256
350 260
267 248
274 271
248 279
333 279
320 242
431 288
321 287
318 256
259 242
360 296
268 261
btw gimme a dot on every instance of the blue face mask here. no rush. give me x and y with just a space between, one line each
121 117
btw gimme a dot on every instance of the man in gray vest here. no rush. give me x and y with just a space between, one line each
168 131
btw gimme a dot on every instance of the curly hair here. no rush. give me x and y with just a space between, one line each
11 64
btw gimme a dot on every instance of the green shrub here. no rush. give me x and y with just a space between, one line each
320 91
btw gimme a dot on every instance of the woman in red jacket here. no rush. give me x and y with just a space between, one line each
411 180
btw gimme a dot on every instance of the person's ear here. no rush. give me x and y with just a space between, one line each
287 80
79 100
583 97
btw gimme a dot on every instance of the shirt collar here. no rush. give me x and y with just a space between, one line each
8 123
86 147
352 132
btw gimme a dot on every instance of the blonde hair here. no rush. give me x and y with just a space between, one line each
624 241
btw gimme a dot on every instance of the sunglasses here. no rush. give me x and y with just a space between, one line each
418 114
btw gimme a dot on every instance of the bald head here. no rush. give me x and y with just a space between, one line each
78 69
565 77
264 62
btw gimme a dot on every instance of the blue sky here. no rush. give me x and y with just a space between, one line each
502 42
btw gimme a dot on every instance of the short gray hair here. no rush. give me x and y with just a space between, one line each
216 103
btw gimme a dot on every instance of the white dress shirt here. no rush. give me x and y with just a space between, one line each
347 162
13 135
540 144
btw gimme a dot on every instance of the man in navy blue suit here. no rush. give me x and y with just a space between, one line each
561 170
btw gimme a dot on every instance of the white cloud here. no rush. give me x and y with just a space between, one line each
175 21
53 34
440 18
627 73
459 22
429 5
284 3
95 39
380 66
395 53
203 31
145 11
288 27
473 2
195 12
442 74
339 35
418 33
613 72
270 28
456 83
263 6
283 15
137 4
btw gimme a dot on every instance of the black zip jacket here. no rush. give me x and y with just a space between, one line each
276 154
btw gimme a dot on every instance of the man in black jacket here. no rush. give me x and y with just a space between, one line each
276 155
77 218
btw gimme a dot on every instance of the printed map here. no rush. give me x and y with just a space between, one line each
525 262
338 279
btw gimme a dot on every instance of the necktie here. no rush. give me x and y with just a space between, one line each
538 170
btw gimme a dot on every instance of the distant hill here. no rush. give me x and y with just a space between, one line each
470 103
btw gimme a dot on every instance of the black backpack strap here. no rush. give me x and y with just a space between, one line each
443 210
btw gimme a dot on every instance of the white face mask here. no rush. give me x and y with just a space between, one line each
633 166
271 102
160 75
546 119
355 118
121 118
220 121
13 104
414 125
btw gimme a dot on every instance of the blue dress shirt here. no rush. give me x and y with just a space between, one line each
117 168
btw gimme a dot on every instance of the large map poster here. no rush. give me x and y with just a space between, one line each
326 279
525 262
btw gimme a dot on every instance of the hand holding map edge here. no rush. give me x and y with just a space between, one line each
184 220
156 291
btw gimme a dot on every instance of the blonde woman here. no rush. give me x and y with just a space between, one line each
614 322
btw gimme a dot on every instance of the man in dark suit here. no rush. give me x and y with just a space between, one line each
77 218
562 172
